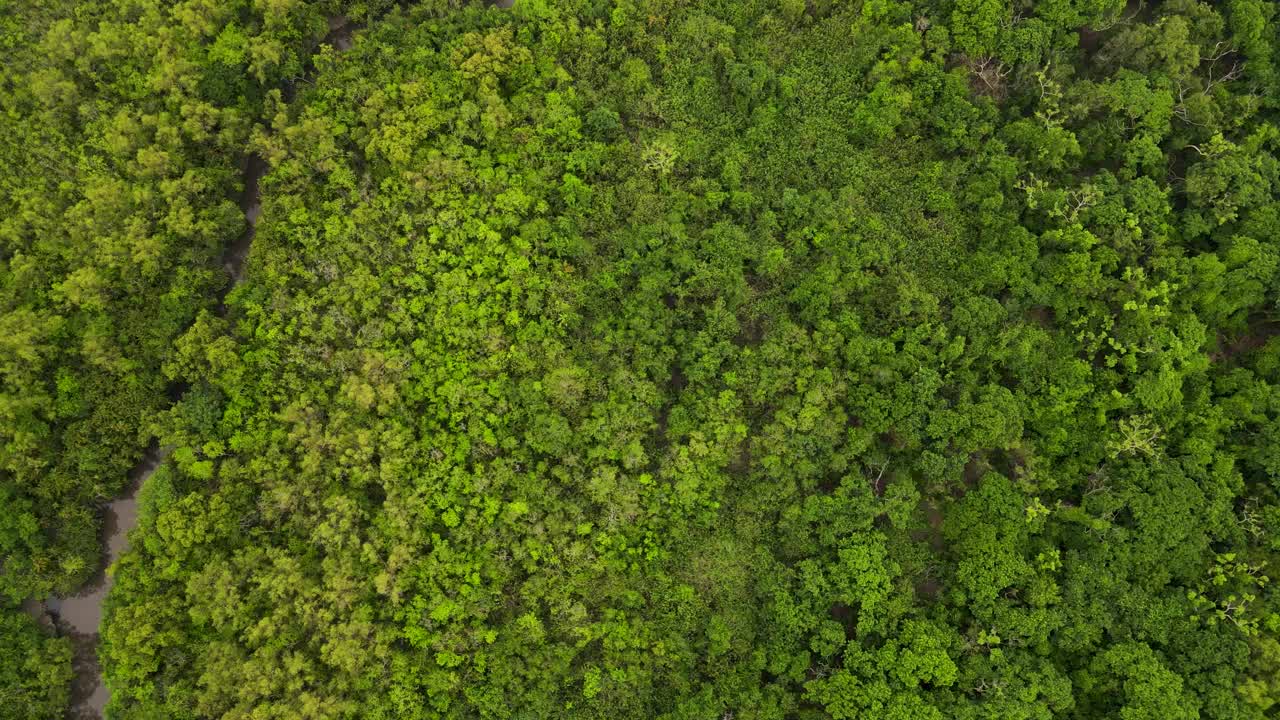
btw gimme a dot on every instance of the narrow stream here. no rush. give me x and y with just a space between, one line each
79 616
251 205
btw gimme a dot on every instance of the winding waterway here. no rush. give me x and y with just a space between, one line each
78 617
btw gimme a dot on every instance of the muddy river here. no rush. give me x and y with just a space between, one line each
79 616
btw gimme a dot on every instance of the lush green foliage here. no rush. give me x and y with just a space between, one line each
765 359
35 670
125 124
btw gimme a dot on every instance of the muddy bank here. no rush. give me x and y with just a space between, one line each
237 253
233 258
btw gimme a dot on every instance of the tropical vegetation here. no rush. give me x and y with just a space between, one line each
650 358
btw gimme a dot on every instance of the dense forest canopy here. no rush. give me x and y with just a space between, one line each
648 358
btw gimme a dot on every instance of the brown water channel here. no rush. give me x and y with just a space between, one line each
79 616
